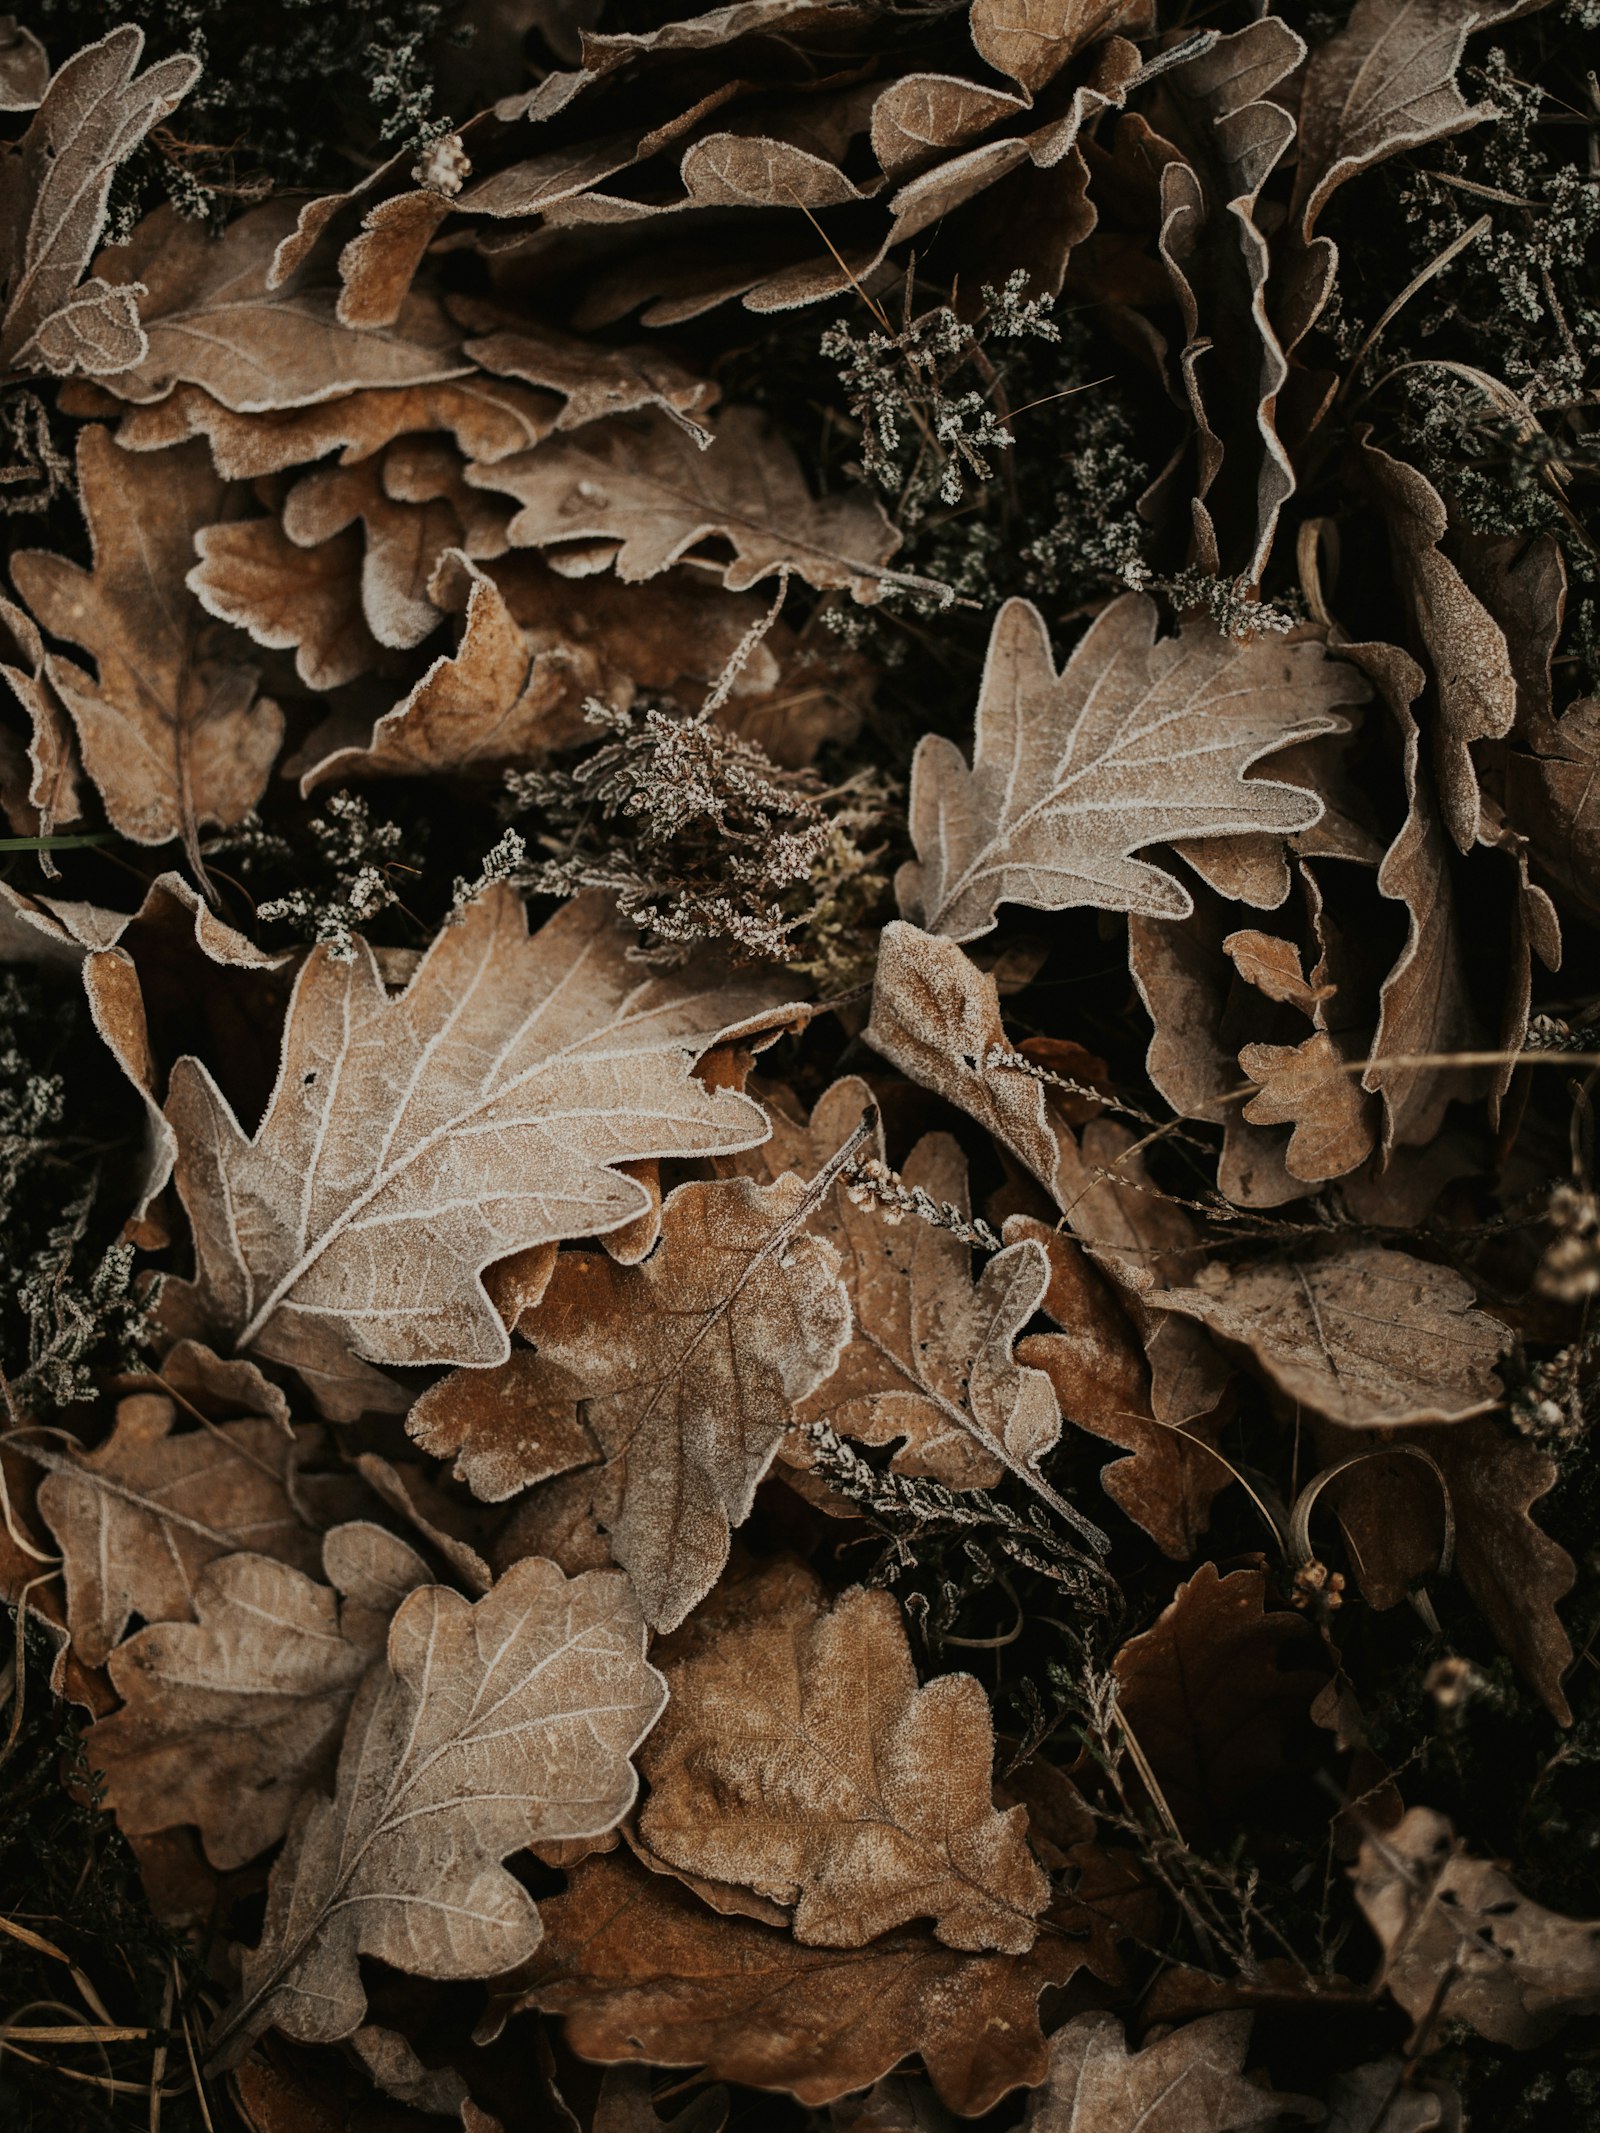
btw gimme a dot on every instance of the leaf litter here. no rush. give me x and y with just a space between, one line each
801 1304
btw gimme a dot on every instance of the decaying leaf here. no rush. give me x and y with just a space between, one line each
798 1757
1462 1943
1191 2081
686 1370
139 1519
1135 742
490 1726
229 1719
643 1971
1370 1337
410 1142
648 493
171 730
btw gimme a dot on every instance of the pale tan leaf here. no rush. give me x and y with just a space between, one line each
687 1370
139 1519
1191 2081
1381 2097
1032 40
397 2072
228 1720
489 418
1369 1337
287 597
489 1727
91 117
1274 967
412 1142
172 731
799 1757
920 114
1553 798
1463 1944
379 264
643 484
1384 82
643 1971
1135 742
213 320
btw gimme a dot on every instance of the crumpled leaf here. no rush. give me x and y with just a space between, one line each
642 1970
229 1719
1462 1943
1074 772
1370 1337
41 793
1213 1692
489 1727
798 1757
92 116
1191 2081
647 492
687 1370
411 1142
172 731
139 1519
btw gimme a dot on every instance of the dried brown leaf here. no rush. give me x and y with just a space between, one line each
644 487
1369 1337
1553 799
490 1726
643 1971
1190 2081
798 1757
172 731
1463 1944
412 1142
1102 1385
213 320
91 117
1032 40
1134 743
1308 1086
1214 1691
139 1519
41 793
287 597
686 1370
228 1720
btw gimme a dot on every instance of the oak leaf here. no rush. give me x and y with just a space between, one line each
487 1728
411 1142
140 1518
92 116
1136 742
1032 40
1462 1943
172 731
799 1757
645 494
213 320
1553 798
1213 1692
643 1971
1369 1337
24 68
1191 2081
686 1370
229 1719
307 600
1102 1384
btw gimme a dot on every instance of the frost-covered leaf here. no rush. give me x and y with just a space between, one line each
800 1758
1137 741
1191 2081
487 1728
686 1370
411 1142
